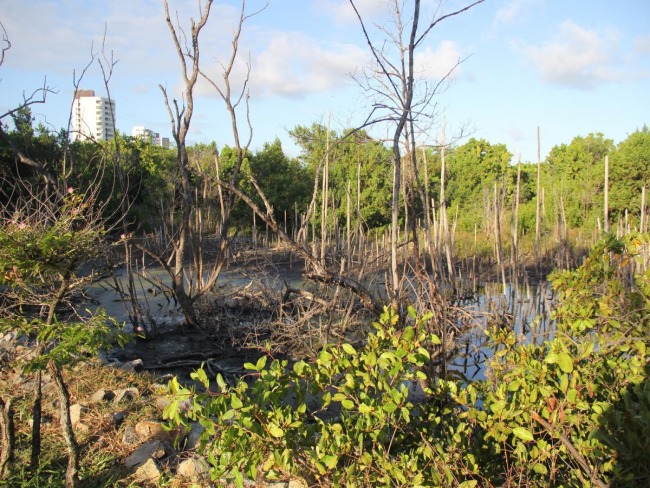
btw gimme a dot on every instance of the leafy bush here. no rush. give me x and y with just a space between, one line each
572 410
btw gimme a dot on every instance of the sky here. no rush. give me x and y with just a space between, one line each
569 67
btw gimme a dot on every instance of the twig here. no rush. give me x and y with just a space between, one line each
572 451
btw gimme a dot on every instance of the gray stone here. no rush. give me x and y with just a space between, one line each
298 483
193 435
154 449
183 406
115 363
148 471
101 396
135 365
130 436
193 468
126 394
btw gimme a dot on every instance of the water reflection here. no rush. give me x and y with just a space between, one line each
523 309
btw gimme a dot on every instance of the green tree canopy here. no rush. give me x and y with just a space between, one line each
629 173
576 178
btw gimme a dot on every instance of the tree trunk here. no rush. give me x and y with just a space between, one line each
538 231
8 437
36 420
72 470
606 215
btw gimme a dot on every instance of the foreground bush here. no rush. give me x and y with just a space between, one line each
572 410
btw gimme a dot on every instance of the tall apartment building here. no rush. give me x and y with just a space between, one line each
93 118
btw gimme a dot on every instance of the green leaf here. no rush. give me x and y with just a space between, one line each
365 459
261 362
200 376
347 404
299 367
235 402
435 340
523 433
390 407
468 484
349 349
540 469
565 361
275 431
551 358
640 345
330 461
363 408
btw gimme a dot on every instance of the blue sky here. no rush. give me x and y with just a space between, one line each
570 67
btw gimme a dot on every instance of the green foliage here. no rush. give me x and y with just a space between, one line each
42 250
473 169
345 418
567 411
588 382
629 172
360 168
576 177
286 183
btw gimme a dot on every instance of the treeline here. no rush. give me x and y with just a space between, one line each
358 178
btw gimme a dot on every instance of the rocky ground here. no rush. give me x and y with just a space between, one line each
116 412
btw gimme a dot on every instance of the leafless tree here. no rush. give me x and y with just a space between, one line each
402 100
191 277
37 96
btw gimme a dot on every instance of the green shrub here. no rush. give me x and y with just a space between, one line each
572 410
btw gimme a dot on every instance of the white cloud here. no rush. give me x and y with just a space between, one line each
437 64
642 45
512 10
342 11
578 57
293 65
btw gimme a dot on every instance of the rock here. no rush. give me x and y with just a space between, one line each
154 429
45 420
154 449
118 418
115 363
75 413
135 365
298 483
183 406
10 336
101 396
148 471
193 435
130 436
149 428
126 394
193 468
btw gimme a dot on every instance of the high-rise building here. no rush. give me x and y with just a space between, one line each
141 132
93 118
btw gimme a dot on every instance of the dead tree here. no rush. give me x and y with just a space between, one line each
190 283
399 100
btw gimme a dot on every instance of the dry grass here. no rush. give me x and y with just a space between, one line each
101 440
